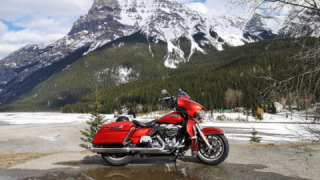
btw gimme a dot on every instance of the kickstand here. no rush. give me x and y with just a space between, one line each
175 160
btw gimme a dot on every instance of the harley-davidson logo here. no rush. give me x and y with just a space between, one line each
175 116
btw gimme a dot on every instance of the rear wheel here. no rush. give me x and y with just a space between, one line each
117 159
218 153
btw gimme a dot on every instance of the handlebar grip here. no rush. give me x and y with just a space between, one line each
164 99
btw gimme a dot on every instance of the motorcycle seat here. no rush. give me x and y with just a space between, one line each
144 125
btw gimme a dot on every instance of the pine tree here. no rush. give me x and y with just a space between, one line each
95 122
254 138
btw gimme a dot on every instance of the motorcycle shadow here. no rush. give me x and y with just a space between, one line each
93 160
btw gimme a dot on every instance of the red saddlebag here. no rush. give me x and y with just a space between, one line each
114 133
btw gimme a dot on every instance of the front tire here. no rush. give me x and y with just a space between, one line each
218 153
117 159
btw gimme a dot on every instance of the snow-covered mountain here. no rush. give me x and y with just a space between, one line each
165 21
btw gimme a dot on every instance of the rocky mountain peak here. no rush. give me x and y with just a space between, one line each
165 21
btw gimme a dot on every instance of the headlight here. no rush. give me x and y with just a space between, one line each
201 114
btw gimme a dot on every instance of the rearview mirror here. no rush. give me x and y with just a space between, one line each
164 92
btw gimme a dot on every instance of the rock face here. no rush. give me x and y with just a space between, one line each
165 21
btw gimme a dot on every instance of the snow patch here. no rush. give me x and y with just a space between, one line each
49 138
275 128
195 47
42 118
174 57
124 73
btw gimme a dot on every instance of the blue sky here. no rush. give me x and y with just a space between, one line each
25 22
11 26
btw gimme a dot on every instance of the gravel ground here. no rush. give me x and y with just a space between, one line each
52 152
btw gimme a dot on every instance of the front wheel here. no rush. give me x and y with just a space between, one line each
218 153
117 159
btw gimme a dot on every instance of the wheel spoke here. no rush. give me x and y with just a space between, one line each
218 153
217 148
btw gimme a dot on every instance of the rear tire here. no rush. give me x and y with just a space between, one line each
218 153
117 159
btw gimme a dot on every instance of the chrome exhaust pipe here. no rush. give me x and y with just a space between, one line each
134 150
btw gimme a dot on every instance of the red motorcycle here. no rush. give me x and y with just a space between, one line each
172 135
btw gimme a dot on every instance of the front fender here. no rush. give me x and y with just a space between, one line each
207 131
212 130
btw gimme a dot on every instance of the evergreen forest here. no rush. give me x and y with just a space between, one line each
218 80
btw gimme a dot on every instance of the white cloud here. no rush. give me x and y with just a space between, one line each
14 40
40 20
6 49
47 24
12 10
28 36
3 28
215 7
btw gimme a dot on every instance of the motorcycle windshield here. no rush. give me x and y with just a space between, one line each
183 94
190 106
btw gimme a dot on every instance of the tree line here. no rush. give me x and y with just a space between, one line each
221 80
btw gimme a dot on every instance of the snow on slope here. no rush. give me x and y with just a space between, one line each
108 20
165 21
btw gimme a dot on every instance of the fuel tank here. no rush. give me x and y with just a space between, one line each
171 118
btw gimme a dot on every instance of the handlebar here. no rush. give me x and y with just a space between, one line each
164 99
173 98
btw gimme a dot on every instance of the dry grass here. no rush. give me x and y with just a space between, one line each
8 160
309 150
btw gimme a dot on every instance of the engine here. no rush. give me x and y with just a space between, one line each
170 133
170 130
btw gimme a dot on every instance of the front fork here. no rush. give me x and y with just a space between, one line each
203 137
196 133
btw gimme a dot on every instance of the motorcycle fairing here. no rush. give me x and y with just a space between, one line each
190 106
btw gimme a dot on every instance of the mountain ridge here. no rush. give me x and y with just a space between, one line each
161 21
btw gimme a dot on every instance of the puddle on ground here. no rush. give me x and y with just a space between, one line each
186 169
153 172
